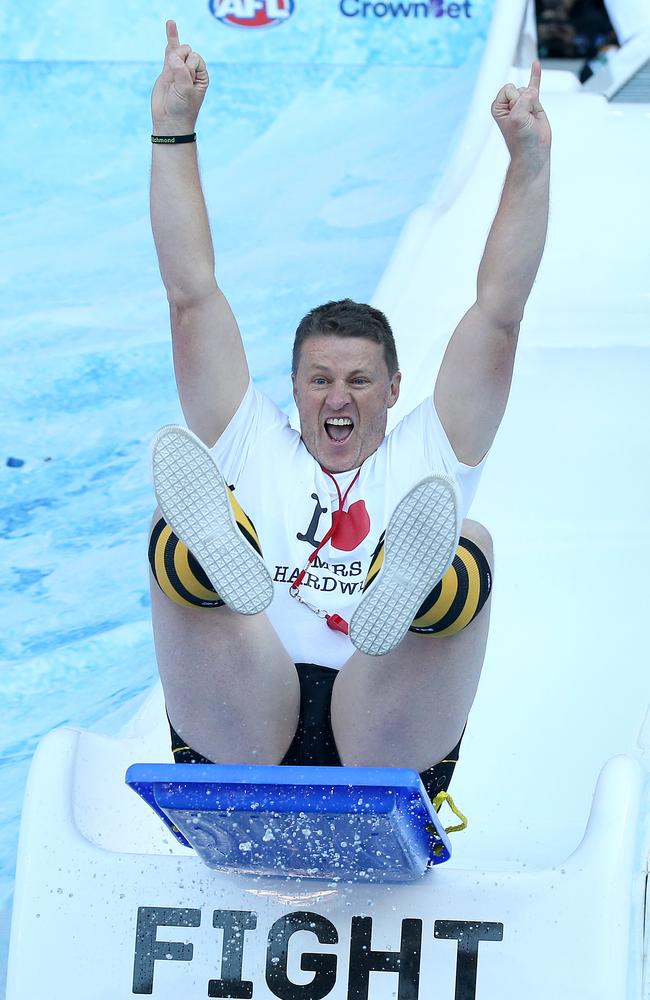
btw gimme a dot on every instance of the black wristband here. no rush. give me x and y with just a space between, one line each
173 140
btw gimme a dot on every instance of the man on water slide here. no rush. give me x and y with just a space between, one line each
321 598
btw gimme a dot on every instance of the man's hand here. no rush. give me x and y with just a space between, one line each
521 118
179 90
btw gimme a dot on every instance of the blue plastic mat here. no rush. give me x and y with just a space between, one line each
353 824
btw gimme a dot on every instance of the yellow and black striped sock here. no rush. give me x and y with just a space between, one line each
177 572
457 599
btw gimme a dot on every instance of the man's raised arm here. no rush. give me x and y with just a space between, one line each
474 379
209 359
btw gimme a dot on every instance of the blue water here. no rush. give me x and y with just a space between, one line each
310 172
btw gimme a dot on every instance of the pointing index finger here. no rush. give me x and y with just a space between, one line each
173 41
535 76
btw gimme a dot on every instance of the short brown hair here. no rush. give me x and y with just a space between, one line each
346 318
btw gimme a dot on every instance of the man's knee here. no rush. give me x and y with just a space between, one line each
464 589
480 535
176 571
178 574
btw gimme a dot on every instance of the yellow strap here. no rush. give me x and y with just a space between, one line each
442 797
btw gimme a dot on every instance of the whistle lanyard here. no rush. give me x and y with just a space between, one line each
335 622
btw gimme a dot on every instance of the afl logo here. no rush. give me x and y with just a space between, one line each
252 13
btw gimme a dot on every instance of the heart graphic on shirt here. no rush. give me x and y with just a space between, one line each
350 526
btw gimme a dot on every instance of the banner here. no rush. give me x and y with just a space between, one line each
437 33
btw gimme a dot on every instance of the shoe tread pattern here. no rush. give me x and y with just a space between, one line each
421 540
193 497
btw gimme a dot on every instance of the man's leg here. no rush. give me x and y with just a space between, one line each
231 690
408 708
232 693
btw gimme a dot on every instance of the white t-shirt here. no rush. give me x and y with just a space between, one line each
290 501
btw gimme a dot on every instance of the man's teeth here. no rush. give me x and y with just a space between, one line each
339 421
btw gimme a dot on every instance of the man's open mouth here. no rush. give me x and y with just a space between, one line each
338 428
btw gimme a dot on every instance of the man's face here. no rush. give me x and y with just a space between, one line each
343 391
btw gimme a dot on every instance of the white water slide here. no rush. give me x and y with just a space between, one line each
545 893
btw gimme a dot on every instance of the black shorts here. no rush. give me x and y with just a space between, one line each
314 742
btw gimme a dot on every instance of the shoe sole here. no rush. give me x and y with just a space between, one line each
193 497
419 547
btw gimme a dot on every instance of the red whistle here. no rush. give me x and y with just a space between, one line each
337 624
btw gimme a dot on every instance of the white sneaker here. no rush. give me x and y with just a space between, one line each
203 513
419 547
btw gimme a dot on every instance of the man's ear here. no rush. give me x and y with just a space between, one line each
395 383
293 387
